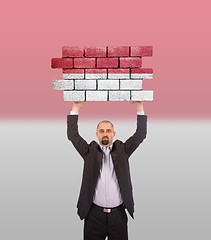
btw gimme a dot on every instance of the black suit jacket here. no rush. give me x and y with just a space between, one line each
92 155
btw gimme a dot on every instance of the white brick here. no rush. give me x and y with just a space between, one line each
142 95
73 76
108 84
130 84
119 95
74 95
85 84
118 76
95 76
141 76
63 84
96 95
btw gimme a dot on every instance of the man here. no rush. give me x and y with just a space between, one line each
106 188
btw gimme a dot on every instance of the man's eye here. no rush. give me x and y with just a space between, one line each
101 131
108 131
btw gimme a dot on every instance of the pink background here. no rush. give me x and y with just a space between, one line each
33 32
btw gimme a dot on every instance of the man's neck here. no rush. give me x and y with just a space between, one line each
106 145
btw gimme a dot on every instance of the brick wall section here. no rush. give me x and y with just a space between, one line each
103 73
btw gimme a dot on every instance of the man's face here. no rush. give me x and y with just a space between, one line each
105 134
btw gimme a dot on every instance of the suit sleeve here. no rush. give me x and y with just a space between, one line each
141 131
72 133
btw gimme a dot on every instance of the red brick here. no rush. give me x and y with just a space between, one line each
62 63
119 71
139 51
84 62
93 71
72 51
107 62
95 52
130 62
73 71
122 51
141 70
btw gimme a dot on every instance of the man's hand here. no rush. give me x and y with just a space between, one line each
77 105
139 105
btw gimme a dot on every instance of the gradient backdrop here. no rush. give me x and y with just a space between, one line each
40 171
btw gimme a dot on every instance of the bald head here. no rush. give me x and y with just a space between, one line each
105 133
105 121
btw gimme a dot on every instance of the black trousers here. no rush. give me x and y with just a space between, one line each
98 224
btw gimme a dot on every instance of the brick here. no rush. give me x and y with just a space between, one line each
84 62
95 52
62 63
141 70
141 73
74 95
130 84
131 62
122 51
107 62
73 73
108 84
141 51
95 73
119 95
63 84
119 73
96 95
142 95
84 85
141 76
72 52
67 76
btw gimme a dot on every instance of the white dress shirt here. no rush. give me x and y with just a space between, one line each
107 192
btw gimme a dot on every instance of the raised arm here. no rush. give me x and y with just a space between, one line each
72 130
133 142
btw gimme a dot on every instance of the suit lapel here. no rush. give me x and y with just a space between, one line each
114 155
99 158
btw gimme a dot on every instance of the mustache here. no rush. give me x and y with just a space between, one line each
105 138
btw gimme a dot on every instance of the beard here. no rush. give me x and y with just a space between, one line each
105 141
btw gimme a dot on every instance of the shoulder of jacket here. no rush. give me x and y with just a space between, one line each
93 144
117 143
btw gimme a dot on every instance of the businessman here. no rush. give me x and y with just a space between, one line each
106 188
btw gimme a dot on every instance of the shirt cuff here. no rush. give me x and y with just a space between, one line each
73 113
140 113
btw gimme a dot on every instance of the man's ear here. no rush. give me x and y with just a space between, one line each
114 134
96 134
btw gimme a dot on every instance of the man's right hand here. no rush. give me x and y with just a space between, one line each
138 104
77 105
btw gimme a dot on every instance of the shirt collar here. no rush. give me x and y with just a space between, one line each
103 147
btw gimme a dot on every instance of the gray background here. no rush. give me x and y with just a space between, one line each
40 177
